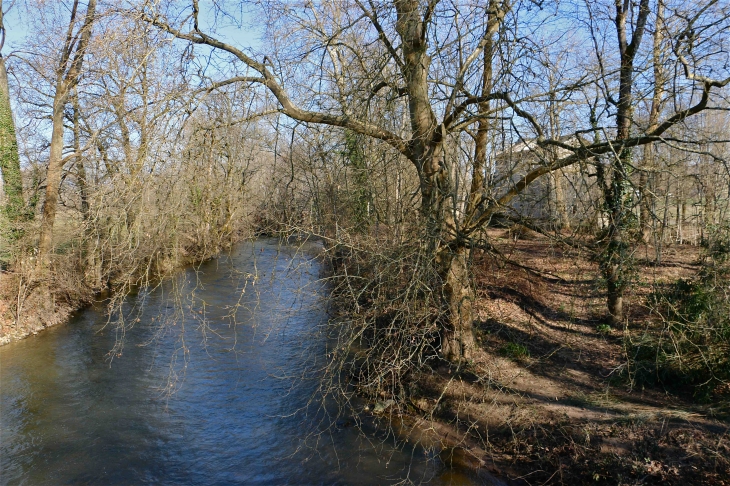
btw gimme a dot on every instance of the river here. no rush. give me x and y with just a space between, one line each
224 392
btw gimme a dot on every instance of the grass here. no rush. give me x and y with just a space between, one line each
515 351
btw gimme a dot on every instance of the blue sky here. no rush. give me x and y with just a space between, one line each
246 36
14 28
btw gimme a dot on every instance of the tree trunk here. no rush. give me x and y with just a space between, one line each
613 261
615 300
80 169
68 73
645 195
709 208
9 160
92 269
560 205
53 182
457 334
614 257
437 198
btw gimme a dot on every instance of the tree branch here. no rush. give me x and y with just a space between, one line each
288 107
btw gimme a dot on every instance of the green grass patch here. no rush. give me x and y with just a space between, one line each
514 351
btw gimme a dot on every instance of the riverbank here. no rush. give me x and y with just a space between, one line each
28 307
547 397
37 310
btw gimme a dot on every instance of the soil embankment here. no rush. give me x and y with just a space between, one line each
29 305
25 310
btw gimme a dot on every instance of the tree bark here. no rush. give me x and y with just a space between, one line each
457 336
645 195
613 273
53 181
80 169
437 198
560 206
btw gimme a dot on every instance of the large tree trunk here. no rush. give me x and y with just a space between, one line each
614 257
438 189
613 260
53 182
9 160
437 202
451 259
457 335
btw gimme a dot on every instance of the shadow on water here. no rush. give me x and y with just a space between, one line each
241 361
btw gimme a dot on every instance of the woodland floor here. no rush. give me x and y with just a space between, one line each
547 399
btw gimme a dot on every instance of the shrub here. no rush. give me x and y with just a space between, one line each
383 292
604 329
693 345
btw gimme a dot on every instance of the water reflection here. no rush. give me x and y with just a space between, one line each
242 362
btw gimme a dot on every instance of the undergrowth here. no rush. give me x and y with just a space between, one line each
689 348
387 315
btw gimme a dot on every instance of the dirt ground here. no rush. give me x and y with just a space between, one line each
547 398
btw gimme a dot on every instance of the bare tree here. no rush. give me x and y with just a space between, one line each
645 195
68 72
616 194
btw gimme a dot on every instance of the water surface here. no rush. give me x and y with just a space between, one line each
223 393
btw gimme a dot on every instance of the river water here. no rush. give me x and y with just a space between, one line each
223 393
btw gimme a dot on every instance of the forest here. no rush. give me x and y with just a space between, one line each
523 205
